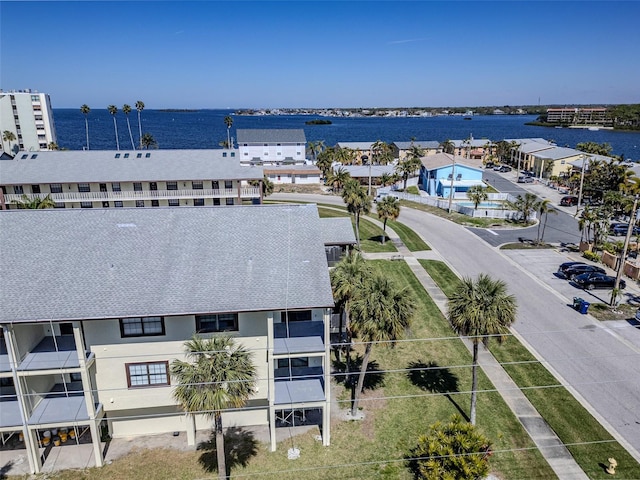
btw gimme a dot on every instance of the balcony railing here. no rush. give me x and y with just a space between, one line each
298 337
68 197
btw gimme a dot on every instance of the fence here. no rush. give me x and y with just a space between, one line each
443 203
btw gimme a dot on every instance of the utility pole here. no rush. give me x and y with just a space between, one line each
453 172
582 169
623 255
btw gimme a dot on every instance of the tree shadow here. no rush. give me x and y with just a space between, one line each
434 378
239 446
373 379
4 470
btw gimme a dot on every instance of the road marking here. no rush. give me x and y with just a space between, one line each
492 232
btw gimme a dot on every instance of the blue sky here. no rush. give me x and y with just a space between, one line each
218 54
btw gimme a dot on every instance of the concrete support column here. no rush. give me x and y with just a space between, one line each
30 439
326 410
271 382
94 426
191 430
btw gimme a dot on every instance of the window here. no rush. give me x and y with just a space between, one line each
155 203
105 204
35 188
295 362
172 185
147 374
139 155
24 156
229 201
55 188
221 322
137 186
196 185
102 187
18 190
246 154
297 316
59 205
126 155
84 187
139 203
147 155
228 184
117 204
215 185
224 154
117 155
216 201
198 202
115 187
86 205
233 154
174 202
141 327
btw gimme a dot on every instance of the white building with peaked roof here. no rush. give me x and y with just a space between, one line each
272 146
96 304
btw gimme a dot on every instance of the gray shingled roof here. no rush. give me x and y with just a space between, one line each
557 153
439 160
356 145
99 166
117 262
338 231
360 171
272 135
426 144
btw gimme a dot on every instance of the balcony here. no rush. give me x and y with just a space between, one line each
69 197
9 410
298 393
298 338
52 354
62 405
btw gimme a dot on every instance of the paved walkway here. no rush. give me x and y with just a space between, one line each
548 443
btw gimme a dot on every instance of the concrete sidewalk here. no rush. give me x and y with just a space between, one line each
548 443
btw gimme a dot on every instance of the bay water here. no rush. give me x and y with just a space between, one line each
203 129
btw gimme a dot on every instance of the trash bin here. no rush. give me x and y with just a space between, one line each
577 303
584 307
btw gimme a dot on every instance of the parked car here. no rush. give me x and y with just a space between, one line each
490 165
593 280
567 265
621 229
638 315
505 168
525 179
382 195
497 167
569 201
527 173
576 270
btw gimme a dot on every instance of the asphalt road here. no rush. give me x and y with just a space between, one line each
598 365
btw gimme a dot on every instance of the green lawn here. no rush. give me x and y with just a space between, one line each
370 233
566 416
410 238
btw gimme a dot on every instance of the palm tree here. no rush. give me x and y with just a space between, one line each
139 108
338 178
85 111
53 146
480 310
34 203
381 152
477 194
325 160
127 110
544 209
113 110
448 147
315 148
381 312
218 375
407 167
358 202
388 209
347 279
524 205
228 121
147 141
8 136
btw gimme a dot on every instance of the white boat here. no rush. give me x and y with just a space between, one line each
594 129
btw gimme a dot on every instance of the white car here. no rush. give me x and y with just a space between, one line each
382 195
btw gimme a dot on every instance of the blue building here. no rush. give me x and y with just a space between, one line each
443 171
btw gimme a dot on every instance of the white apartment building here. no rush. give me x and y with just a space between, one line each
137 178
272 146
97 303
28 114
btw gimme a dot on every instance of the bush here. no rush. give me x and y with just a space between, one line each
413 190
589 255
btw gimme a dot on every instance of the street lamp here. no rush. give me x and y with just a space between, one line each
582 169
453 172
365 158
623 254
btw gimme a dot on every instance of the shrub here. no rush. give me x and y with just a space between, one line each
413 190
589 255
